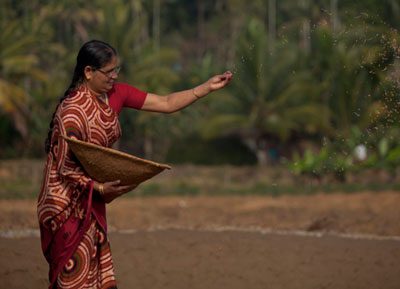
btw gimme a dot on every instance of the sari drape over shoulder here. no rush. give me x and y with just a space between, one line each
72 217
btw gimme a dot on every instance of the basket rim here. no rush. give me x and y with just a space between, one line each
115 152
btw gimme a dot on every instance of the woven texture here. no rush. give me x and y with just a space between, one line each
105 164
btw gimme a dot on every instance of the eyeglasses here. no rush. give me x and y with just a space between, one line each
110 72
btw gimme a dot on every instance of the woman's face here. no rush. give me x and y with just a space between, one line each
102 80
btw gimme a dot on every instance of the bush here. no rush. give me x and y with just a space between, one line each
321 164
222 151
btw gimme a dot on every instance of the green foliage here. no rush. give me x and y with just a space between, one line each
322 164
228 151
308 70
339 158
269 101
386 156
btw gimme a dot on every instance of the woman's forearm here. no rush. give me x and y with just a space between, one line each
181 99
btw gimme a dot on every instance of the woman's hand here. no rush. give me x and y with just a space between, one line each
214 83
111 190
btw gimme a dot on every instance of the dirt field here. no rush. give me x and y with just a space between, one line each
322 241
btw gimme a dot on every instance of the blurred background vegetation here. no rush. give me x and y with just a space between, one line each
315 91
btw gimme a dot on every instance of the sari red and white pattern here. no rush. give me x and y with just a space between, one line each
71 216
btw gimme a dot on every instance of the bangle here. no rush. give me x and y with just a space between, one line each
195 95
101 189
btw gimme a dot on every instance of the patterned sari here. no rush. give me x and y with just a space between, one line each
71 215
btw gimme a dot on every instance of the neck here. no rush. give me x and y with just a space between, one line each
95 93
99 95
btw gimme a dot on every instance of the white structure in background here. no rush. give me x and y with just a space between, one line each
360 152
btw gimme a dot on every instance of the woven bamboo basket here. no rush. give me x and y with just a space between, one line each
105 164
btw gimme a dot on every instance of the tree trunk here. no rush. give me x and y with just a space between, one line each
305 38
258 149
148 145
156 24
271 24
200 29
335 15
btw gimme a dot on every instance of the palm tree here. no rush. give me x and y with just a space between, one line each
154 72
353 65
270 101
145 63
72 20
18 65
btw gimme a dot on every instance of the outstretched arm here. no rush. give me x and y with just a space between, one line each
179 100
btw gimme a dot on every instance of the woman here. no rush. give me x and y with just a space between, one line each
71 209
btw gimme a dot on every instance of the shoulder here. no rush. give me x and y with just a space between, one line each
76 98
123 88
126 95
77 103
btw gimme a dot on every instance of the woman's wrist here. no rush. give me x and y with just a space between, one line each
195 94
99 187
200 91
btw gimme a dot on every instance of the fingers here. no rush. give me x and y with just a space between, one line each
121 189
225 77
112 183
125 189
220 81
228 74
114 190
114 187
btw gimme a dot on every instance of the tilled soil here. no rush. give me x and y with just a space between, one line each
321 241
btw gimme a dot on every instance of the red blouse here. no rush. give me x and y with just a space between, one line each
125 95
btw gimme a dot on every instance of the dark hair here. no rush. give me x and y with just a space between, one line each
94 53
